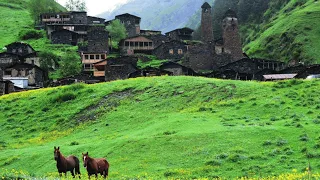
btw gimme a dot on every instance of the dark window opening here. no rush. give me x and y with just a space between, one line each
103 56
97 56
126 43
91 56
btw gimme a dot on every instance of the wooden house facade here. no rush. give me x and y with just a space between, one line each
137 44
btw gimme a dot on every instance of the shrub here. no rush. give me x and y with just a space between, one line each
267 143
222 156
213 163
30 34
64 97
74 143
167 133
281 142
304 137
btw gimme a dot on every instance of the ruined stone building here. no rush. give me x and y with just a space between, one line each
173 50
68 27
20 64
180 34
131 23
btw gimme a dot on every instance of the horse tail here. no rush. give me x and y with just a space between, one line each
77 165
106 167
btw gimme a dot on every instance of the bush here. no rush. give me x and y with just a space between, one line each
64 97
213 163
281 142
30 34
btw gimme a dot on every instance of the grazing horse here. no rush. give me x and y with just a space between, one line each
95 165
70 163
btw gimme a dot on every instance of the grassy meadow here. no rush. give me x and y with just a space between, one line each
166 127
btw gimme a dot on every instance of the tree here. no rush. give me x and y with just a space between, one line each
116 30
48 60
76 5
70 65
37 7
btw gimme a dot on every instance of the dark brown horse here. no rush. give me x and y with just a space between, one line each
95 165
64 165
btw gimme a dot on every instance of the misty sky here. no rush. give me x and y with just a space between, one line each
98 6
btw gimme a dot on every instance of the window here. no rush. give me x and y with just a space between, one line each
171 51
91 56
14 50
128 22
97 56
141 44
150 44
86 56
87 66
103 56
145 43
180 51
131 44
126 43
136 44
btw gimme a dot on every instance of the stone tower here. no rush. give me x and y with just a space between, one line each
231 37
206 23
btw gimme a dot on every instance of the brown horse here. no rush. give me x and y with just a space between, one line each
64 165
95 165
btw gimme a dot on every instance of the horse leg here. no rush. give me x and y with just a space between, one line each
72 172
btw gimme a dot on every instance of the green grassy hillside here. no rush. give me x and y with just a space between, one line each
14 18
292 33
166 127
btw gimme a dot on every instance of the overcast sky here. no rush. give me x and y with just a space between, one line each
98 6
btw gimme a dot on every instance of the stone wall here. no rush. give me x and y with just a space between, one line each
173 50
62 37
120 68
7 59
199 57
6 87
95 20
21 49
97 39
79 18
158 39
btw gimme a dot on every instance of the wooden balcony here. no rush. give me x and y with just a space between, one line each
87 61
